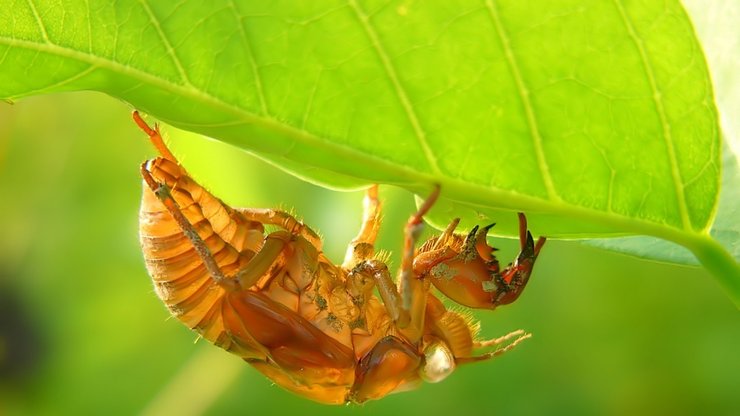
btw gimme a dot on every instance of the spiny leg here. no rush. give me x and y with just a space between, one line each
378 272
154 136
518 337
413 293
406 308
496 341
362 247
412 232
447 234
370 217
283 220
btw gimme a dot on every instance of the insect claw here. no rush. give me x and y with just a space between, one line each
522 230
154 136
472 233
529 250
527 247
481 244
538 246
471 240
142 124
488 227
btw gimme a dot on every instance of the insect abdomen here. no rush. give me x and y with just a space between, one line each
180 278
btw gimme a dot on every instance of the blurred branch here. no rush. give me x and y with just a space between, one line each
200 381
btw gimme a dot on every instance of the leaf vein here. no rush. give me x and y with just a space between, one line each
42 27
189 91
390 71
526 103
89 26
678 184
309 104
252 59
65 81
168 46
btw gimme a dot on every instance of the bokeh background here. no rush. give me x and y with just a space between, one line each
82 332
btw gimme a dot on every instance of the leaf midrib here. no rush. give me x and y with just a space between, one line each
636 225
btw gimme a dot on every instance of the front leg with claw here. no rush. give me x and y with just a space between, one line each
466 271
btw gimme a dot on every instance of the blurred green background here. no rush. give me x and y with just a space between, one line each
82 332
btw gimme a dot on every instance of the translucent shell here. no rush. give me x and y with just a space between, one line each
330 333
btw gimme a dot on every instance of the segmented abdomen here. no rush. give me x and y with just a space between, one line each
180 278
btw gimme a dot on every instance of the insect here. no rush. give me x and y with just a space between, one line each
316 328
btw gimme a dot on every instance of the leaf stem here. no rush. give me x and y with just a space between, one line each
715 258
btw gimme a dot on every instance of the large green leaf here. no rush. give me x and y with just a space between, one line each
725 228
596 118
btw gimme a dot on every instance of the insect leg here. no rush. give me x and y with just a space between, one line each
413 291
406 308
378 272
514 278
517 335
154 136
283 220
496 341
162 191
362 247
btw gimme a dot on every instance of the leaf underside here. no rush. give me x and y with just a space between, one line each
596 118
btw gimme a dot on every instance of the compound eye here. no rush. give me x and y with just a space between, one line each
439 362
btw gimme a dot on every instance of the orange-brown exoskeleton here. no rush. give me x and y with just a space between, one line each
313 327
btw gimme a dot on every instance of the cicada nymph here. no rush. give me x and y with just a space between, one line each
331 333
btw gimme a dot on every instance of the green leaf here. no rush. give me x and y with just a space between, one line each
725 228
596 118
